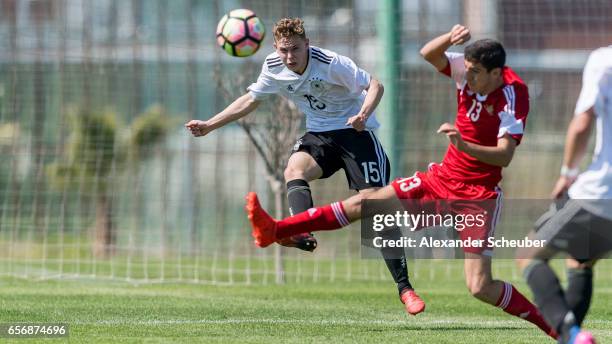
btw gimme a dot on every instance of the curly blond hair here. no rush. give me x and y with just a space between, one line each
289 27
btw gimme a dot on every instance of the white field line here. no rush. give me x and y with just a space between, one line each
477 323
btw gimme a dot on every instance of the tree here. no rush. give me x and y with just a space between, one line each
272 135
95 150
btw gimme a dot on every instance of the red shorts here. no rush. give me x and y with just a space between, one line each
431 191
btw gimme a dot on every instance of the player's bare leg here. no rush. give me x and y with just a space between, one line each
480 283
301 169
479 280
353 205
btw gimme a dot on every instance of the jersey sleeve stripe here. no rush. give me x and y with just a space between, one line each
272 65
321 56
273 61
509 94
505 89
320 59
321 53
314 52
509 122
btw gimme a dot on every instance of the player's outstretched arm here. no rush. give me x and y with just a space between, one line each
433 51
576 143
374 94
236 110
500 155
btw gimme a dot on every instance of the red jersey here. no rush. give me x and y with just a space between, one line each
482 120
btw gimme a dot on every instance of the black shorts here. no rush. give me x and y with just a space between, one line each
570 227
359 153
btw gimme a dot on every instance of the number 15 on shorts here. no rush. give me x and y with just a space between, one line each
371 171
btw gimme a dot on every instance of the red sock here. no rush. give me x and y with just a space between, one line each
513 302
314 219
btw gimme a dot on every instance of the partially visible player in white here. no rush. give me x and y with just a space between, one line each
338 99
582 227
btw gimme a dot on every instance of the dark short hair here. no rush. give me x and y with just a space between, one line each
488 52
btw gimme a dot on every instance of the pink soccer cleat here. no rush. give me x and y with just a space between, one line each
413 303
584 337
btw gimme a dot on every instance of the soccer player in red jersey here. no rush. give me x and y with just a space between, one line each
493 103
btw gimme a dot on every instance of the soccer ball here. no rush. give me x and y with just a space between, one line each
240 33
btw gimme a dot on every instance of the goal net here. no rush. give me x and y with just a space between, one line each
99 178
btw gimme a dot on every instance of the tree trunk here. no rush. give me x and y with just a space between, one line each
104 231
277 190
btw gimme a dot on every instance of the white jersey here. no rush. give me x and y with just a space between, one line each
331 89
596 181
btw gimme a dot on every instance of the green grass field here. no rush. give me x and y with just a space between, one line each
99 311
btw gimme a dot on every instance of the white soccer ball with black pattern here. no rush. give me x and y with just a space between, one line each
240 33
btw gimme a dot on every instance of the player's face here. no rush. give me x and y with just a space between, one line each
293 52
478 79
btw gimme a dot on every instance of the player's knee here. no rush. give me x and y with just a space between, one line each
571 263
478 288
292 173
477 291
473 288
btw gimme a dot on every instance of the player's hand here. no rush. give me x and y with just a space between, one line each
459 34
198 128
453 135
358 122
561 187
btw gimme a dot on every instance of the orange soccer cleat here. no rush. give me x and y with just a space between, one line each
264 226
413 303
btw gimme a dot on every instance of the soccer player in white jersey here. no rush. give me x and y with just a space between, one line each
582 225
338 99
